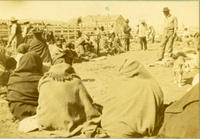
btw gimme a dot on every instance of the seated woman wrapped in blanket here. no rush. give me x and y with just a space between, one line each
64 103
134 107
22 86
181 119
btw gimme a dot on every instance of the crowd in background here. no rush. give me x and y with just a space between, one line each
37 69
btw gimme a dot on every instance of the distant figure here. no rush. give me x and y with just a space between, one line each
187 40
50 38
15 37
151 34
79 45
27 31
117 45
4 74
142 33
169 34
62 39
98 37
60 55
126 36
103 41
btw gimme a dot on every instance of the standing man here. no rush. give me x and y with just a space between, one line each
142 33
169 34
126 35
27 31
15 37
151 34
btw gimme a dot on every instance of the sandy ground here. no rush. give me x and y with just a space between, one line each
96 77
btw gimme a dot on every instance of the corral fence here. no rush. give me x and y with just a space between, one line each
68 32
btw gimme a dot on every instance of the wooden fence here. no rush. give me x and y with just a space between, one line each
68 32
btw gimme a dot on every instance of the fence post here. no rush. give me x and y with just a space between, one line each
75 31
68 33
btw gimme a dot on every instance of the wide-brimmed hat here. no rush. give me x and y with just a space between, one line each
12 19
166 9
142 21
26 22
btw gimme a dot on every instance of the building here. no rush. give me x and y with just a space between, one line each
90 22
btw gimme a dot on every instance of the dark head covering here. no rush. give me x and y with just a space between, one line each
26 22
131 68
13 19
22 48
165 9
29 69
30 62
22 86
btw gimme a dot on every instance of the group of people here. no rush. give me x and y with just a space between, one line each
43 86
58 100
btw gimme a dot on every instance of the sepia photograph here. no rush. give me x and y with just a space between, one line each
99 69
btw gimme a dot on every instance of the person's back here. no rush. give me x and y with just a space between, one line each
60 88
22 86
139 114
135 105
182 117
66 93
38 45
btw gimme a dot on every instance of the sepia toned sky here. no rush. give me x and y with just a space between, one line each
187 12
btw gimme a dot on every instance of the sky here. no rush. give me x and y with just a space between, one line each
187 12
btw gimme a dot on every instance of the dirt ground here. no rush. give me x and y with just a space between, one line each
96 76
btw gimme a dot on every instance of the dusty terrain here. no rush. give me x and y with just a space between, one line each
96 76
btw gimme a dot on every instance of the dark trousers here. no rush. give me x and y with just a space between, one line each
143 43
126 44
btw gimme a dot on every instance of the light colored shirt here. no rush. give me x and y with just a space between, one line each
143 30
170 23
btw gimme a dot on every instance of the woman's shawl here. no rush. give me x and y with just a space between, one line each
182 117
22 85
135 102
64 102
41 48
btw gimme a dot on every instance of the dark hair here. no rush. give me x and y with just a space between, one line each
102 28
11 63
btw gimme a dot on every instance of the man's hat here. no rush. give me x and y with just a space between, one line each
26 22
142 21
12 19
165 9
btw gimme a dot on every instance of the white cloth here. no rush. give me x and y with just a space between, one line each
142 30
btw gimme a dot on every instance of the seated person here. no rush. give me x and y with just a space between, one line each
64 103
39 46
181 119
60 55
134 107
21 50
4 75
22 86
7 65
